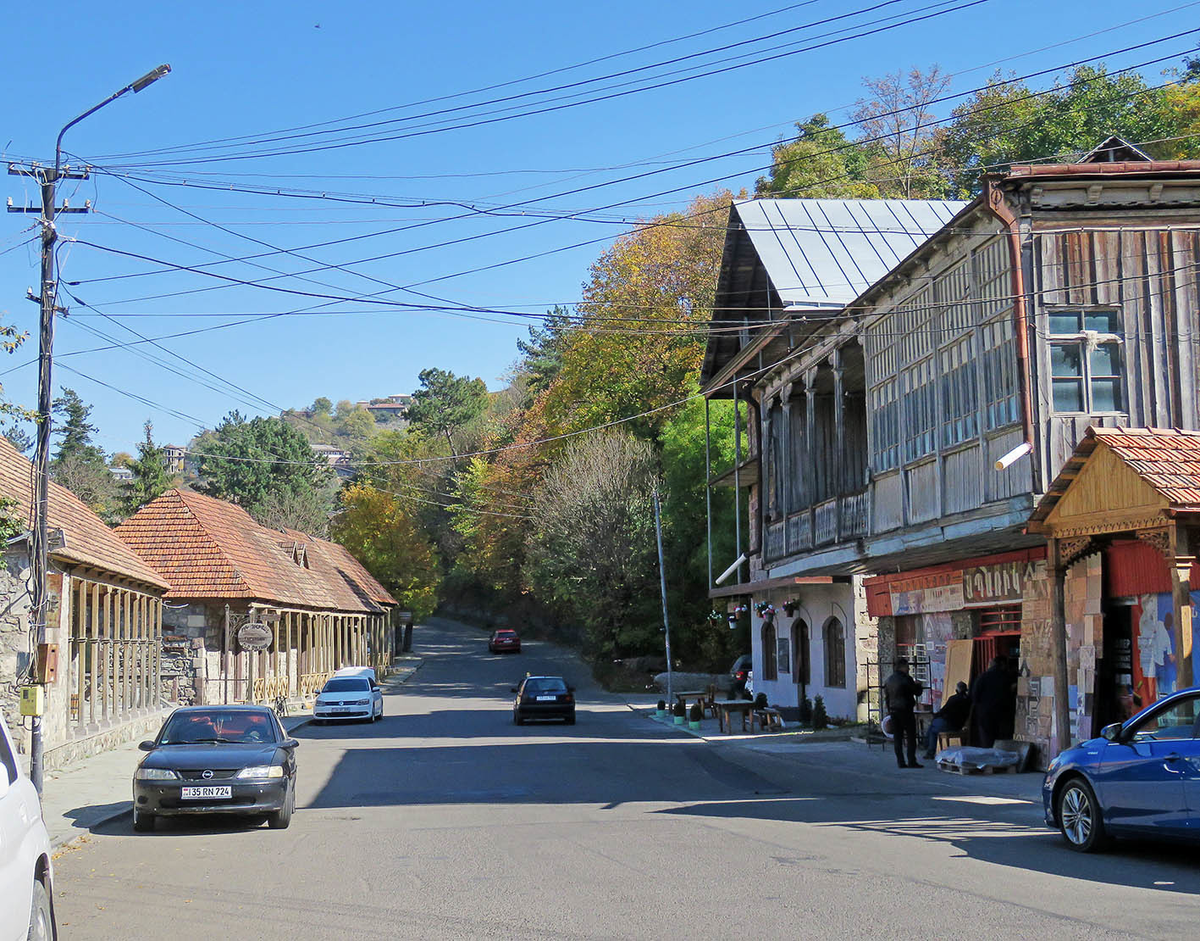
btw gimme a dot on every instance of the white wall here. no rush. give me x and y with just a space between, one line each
818 603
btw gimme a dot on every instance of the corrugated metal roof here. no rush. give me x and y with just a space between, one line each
826 252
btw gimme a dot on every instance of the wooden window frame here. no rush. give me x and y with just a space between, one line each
835 653
1086 342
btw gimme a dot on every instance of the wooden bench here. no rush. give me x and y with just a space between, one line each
767 719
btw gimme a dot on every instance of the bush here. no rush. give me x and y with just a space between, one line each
820 719
806 710
695 713
677 710
662 705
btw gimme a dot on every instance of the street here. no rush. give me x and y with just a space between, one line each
446 821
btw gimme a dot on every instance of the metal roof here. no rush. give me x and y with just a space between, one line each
826 252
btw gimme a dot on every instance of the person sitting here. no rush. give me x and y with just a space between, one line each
950 718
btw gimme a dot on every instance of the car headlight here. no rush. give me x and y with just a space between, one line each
262 771
155 774
362 702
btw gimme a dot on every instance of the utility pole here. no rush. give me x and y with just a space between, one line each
662 578
47 178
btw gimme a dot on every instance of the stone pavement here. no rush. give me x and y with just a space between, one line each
84 795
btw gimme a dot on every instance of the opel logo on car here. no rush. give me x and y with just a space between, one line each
206 775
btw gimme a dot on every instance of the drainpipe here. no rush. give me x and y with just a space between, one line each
998 206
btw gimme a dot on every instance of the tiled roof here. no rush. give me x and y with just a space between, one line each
1168 459
87 540
208 548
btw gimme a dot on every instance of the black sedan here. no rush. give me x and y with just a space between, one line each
544 697
217 760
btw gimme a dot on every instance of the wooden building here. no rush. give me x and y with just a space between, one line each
911 429
104 624
324 609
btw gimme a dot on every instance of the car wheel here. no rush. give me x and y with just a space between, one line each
1079 816
41 915
282 818
142 821
517 720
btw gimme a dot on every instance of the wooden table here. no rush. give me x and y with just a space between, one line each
726 710
699 695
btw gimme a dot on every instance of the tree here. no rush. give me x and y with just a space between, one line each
17 436
321 406
78 464
307 511
591 547
898 118
246 461
444 403
150 477
821 162
389 540
542 354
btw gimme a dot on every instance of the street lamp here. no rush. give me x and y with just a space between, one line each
49 291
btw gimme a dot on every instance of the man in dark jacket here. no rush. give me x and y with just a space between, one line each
950 718
994 700
901 691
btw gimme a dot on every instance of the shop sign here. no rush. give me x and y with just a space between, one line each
254 636
995 584
938 591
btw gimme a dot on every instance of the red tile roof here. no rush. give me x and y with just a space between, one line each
208 548
87 540
1168 459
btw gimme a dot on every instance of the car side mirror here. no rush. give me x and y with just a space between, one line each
291 743
1112 732
146 746
374 687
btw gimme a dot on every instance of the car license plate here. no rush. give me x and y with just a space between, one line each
343 709
206 792
547 699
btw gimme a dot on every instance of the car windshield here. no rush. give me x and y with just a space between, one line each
545 685
347 684
218 725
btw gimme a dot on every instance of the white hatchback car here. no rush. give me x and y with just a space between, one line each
349 696
26 872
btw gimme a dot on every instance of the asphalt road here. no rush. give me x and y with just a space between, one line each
447 821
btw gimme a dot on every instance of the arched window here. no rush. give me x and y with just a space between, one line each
770 669
800 652
835 653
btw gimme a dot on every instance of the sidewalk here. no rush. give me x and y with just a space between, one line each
84 795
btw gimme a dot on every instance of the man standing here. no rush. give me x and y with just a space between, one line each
901 692
994 699
950 718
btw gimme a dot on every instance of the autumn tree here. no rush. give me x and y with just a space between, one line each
389 540
898 122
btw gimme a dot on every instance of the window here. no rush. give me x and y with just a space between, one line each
920 410
835 653
770 670
800 642
1175 722
1086 372
960 394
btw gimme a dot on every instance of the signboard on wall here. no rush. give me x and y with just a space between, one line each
254 636
995 584
937 591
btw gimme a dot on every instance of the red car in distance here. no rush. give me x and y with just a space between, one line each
504 640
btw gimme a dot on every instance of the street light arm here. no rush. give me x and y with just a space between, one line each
136 86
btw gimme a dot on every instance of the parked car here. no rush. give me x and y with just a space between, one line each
544 697
739 673
217 760
504 640
351 696
26 871
368 672
1140 777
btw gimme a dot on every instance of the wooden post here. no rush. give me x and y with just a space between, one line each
126 650
1181 570
1061 736
81 643
94 650
156 649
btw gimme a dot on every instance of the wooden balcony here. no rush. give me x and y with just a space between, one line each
838 520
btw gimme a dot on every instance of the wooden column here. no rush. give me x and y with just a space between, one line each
81 645
810 433
275 646
126 650
839 426
1180 564
1061 735
94 652
157 649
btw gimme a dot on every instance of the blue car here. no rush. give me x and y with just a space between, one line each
1141 777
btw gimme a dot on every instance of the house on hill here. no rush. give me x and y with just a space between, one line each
103 626
325 611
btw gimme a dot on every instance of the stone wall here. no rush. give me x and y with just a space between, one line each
14 638
191 652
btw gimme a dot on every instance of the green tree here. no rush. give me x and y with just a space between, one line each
246 461
321 406
75 429
78 464
390 541
542 354
821 162
150 477
444 403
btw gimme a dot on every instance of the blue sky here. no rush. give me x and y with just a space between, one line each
265 66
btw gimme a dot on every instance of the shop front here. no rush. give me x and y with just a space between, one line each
953 622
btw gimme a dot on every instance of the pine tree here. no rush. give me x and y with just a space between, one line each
150 477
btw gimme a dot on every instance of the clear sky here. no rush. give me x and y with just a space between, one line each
241 70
